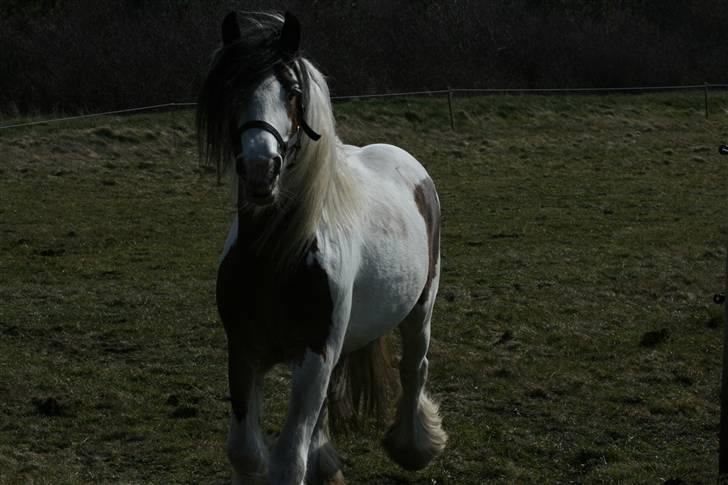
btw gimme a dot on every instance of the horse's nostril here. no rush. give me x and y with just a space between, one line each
277 161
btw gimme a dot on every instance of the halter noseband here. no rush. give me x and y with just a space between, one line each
265 126
283 148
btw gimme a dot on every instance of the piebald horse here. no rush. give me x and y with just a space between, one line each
332 247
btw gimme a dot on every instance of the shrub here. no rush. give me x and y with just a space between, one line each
79 55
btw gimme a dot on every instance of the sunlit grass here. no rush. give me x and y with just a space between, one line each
573 227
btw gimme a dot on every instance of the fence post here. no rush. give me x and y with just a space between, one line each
449 103
172 130
706 99
723 430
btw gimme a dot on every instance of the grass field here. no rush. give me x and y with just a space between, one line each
574 339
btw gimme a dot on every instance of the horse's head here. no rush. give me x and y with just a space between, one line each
266 117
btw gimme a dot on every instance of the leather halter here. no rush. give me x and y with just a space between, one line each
283 147
265 126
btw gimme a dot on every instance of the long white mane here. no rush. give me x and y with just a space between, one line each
319 185
320 181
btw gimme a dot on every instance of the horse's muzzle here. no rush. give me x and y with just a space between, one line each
259 179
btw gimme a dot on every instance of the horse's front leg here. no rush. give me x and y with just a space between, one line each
245 446
308 392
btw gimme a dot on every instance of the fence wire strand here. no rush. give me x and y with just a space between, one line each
99 115
471 91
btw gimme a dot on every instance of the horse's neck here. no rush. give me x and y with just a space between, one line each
266 232
254 223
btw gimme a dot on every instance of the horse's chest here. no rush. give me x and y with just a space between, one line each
276 318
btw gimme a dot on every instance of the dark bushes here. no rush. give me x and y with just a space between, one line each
78 55
101 54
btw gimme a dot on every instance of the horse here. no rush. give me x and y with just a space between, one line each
332 247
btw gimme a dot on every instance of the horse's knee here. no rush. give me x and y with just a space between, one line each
244 462
247 454
286 472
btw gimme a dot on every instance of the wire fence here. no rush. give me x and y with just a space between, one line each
706 87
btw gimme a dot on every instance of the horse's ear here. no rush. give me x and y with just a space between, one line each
230 29
290 38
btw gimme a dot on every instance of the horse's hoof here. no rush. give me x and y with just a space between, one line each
414 446
325 467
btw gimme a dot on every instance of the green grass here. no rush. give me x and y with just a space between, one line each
575 229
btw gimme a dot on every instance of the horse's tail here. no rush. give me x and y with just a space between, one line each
364 382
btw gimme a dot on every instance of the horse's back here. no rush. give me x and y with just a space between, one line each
387 160
400 239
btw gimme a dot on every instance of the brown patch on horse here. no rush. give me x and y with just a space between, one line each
427 204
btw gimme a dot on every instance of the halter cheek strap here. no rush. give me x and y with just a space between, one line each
304 126
302 76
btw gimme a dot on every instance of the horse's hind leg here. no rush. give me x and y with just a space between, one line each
324 466
416 437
